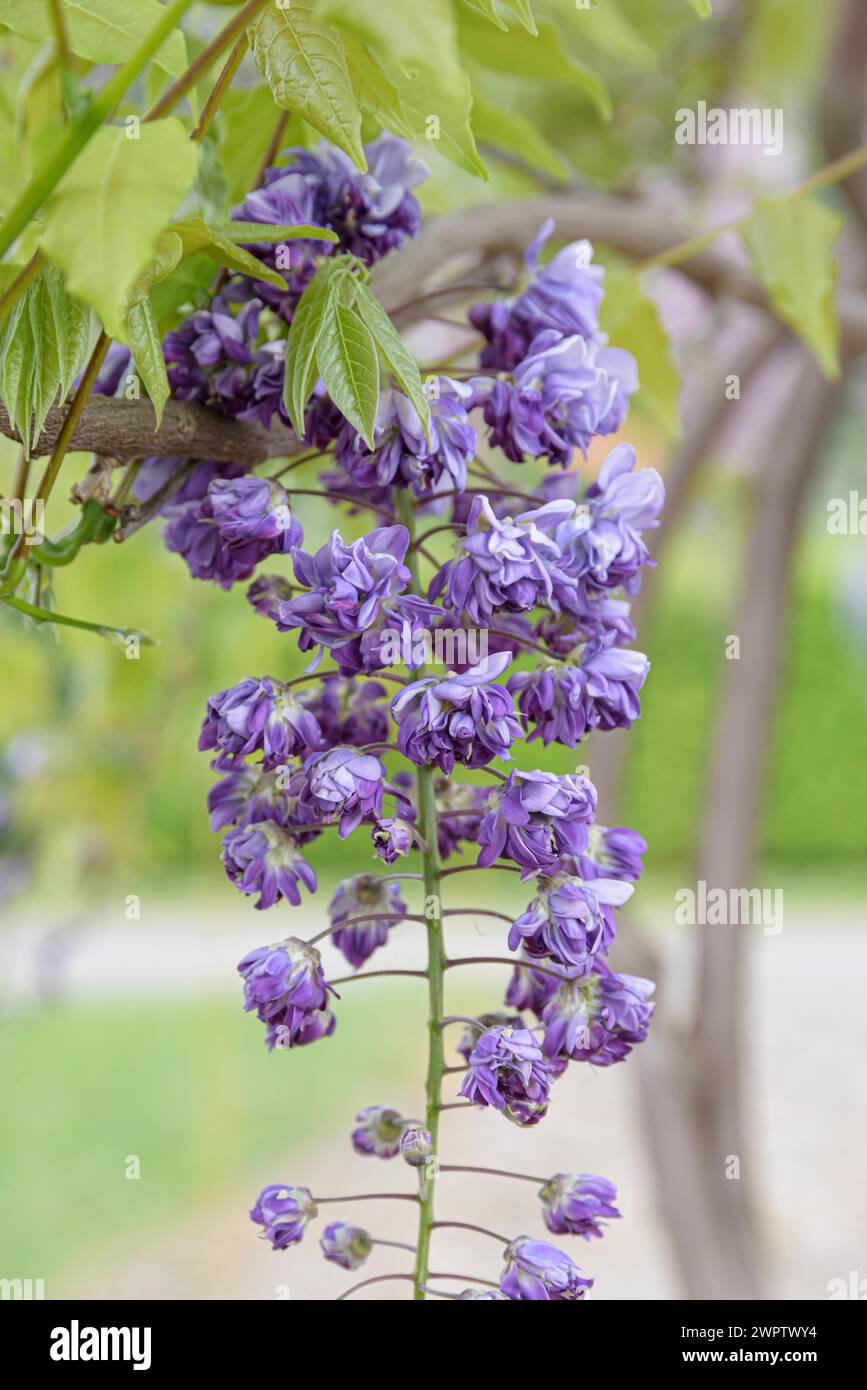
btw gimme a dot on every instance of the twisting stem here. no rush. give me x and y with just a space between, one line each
377 1279
359 921
378 975
493 1172
209 55
427 814
370 1197
471 1278
504 960
470 1226
477 869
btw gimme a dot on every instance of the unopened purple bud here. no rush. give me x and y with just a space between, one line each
416 1145
538 1272
345 1245
284 1212
378 1131
577 1205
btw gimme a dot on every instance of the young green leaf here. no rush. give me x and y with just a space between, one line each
143 335
791 241
348 364
390 344
515 133
103 31
302 60
239 232
545 58
104 219
419 42
197 235
168 254
307 325
43 346
702 8
374 92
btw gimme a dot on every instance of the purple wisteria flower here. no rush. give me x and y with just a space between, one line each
598 1018
601 541
509 565
564 296
613 852
460 810
531 989
371 898
577 1205
237 524
404 455
349 711
348 585
392 838
569 920
535 817
508 1071
262 858
564 393
249 793
210 354
345 1245
597 688
343 782
284 1212
538 1272
378 1131
473 1031
462 718
285 987
259 715
416 1146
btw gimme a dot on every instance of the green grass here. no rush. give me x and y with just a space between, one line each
186 1087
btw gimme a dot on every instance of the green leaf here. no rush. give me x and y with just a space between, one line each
374 92
43 347
348 364
417 46
308 323
513 132
525 14
702 8
169 251
791 241
632 322
544 59
188 286
243 232
246 124
196 235
104 219
103 31
390 344
143 335
302 60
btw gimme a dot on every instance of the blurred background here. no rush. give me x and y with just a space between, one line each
121 1032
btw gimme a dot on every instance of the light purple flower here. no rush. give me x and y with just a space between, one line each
372 898
462 718
538 1272
345 1245
506 565
348 586
403 454
286 988
565 296
284 1212
343 782
259 715
262 858
597 688
508 1071
577 1205
392 838
601 542
569 920
535 817
613 852
598 1018
564 393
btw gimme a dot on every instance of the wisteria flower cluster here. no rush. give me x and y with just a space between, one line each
543 567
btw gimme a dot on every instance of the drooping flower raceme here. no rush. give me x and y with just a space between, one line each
542 571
